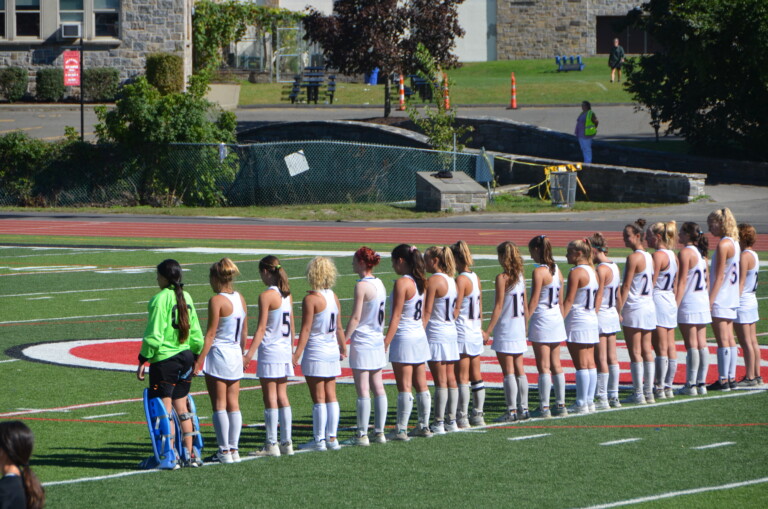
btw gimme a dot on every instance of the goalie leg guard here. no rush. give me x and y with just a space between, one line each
197 438
160 435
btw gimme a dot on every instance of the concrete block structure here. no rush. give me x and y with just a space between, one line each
460 193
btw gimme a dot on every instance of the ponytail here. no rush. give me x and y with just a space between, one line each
16 441
511 261
696 236
444 257
171 270
462 255
637 227
584 249
415 262
666 231
224 271
598 242
541 245
275 274
726 219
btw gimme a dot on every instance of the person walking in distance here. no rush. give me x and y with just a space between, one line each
586 129
616 59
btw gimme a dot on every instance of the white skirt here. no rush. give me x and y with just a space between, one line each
547 328
274 369
724 313
514 346
409 348
584 336
643 318
321 369
747 312
224 363
666 309
443 351
471 349
698 318
367 358
608 321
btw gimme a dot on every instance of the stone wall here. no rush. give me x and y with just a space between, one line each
146 26
545 28
460 193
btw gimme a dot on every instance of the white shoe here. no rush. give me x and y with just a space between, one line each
702 389
659 394
333 444
314 446
477 419
268 450
451 426
602 404
286 448
688 390
462 421
361 440
222 457
591 406
380 438
636 399
578 409
614 403
438 428
508 416
649 398
669 393
399 435
235 456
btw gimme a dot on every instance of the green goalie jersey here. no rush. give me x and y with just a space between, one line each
161 337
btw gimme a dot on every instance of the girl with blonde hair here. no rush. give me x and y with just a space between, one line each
746 315
323 345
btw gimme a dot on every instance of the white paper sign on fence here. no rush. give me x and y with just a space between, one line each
297 163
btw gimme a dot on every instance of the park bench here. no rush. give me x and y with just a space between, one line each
422 87
569 63
313 79
292 91
330 90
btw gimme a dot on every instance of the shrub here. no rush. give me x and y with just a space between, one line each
101 84
13 83
165 71
50 85
23 159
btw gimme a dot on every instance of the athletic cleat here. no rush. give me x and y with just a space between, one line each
719 386
559 411
438 428
747 382
399 435
268 450
541 413
314 446
423 432
451 426
286 448
602 404
333 444
462 422
659 393
614 403
636 399
194 461
222 457
477 419
380 438
759 381
649 398
524 414
578 409
701 389
508 416
591 407
669 393
362 441
687 390
236 456
732 384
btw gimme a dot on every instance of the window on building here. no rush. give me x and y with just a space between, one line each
2 19
28 18
106 17
71 11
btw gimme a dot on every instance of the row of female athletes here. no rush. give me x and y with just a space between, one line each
436 321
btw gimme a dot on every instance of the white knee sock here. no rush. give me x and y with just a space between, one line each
522 392
441 400
703 365
669 380
734 360
637 377
582 384
463 404
614 371
592 386
285 415
332 426
235 427
649 369
270 420
423 407
478 395
221 427
559 383
453 403
510 392
404 409
380 404
723 362
662 363
691 366
545 387
363 415
601 388
319 421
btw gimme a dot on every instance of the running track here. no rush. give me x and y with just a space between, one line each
305 232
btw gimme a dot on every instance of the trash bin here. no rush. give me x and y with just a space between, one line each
372 78
562 188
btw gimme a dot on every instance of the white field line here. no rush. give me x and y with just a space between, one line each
8 360
673 494
625 441
513 439
712 446
105 415
601 85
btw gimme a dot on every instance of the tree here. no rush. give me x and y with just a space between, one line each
361 35
710 81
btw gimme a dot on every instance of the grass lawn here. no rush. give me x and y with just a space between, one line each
538 82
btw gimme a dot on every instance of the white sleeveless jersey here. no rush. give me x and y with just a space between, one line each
640 290
411 317
695 295
611 290
441 325
470 321
666 280
322 345
582 314
276 346
546 324
369 332
750 280
511 323
229 327
728 295
549 297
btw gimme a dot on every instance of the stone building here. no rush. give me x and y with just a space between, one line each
115 33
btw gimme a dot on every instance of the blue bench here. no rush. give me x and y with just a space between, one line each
569 63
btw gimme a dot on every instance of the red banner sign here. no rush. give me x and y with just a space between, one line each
71 68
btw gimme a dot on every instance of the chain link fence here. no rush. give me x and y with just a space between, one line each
279 173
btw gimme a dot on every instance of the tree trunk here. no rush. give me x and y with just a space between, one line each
387 98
